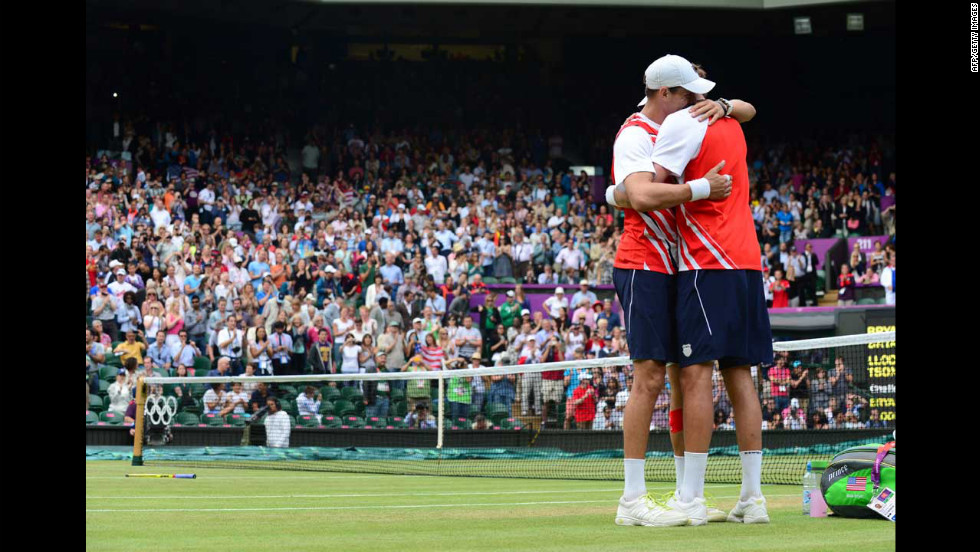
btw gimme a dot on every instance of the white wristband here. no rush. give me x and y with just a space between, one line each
610 196
700 189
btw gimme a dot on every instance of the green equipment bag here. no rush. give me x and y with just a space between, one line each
855 475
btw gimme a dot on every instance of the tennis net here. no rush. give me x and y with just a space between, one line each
819 397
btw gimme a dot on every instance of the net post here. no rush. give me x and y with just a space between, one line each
138 433
441 416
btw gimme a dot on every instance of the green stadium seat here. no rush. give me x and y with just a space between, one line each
235 420
490 280
511 423
91 418
496 412
108 373
880 301
344 407
213 420
866 301
331 421
307 421
95 403
460 421
330 393
289 407
508 280
400 408
292 421
201 366
113 361
288 391
194 407
186 419
397 395
355 397
346 392
374 421
353 422
472 415
111 418
326 407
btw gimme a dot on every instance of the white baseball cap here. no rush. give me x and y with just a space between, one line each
671 71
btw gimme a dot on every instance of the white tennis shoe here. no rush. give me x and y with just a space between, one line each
714 514
695 510
648 511
750 511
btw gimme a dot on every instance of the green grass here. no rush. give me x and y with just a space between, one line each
246 510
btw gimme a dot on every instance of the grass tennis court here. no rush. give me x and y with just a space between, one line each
264 510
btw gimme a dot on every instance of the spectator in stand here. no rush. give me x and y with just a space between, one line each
128 315
583 403
94 358
469 340
277 425
481 423
799 386
308 402
160 353
416 389
780 291
131 348
608 314
419 417
888 280
820 391
104 310
779 377
214 398
182 391
845 286
120 392
459 393
281 344
236 401
554 304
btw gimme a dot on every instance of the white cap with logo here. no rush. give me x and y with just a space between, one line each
671 71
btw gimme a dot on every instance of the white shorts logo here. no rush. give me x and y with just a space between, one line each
686 350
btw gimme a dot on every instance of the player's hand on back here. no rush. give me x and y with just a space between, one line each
721 184
707 109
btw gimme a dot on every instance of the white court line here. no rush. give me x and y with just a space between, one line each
380 507
311 476
566 491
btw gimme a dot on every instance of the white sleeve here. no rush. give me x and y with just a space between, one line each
632 153
679 141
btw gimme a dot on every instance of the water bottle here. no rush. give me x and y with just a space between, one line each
818 506
809 486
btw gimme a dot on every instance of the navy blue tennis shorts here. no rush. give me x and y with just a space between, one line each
648 300
721 315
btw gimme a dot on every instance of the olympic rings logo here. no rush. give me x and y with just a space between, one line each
161 410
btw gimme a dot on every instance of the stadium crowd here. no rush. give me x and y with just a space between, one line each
365 259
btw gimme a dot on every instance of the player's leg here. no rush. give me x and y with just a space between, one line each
650 335
636 506
676 421
751 505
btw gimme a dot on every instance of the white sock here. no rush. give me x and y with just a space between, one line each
636 482
679 471
695 464
751 474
